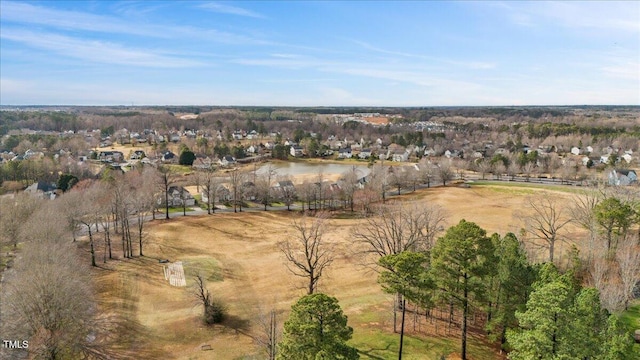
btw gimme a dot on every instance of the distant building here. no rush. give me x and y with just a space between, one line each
345 153
622 177
42 190
295 151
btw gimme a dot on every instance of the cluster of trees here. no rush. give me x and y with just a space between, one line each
535 311
48 297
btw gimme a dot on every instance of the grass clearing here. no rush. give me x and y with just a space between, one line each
238 254
523 186
631 319
208 267
173 210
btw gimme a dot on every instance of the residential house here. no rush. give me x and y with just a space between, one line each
174 137
137 155
594 160
295 151
168 156
110 156
399 155
365 154
227 160
619 177
576 150
429 152
202 163
283 187
252 149
252 135
179 196
345 153
453 153
627 157
42 190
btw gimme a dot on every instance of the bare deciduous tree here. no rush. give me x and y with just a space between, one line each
484 167
14 212
628 258
264 192
143 200
544 218
48 298
213 311
398 228
445 172
269 332
582 213
166 178
237 179
307 253
349 184
210 185
287 192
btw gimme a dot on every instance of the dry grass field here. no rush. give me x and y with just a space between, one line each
238 255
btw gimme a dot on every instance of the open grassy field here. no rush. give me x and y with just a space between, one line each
238 255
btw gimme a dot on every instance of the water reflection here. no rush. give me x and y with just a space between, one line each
300 168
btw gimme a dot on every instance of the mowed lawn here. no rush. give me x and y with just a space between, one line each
238 255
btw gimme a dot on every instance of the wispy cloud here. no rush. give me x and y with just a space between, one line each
21 13
96 51
600 15
629 70
399 72
71 20
230 9
478 65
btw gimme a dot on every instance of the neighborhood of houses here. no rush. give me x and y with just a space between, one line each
256 146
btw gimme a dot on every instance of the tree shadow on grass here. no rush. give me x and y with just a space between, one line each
237 324
369 355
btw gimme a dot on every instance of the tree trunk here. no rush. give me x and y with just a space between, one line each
140 228
166 196
93 253
465 314
404 310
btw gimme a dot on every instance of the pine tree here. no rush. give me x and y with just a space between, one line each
316 329
461 262
511 285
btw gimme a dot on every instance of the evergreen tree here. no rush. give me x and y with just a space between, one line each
542 323
186 157
408 274
562 321
316 329
617 342
461 262
66 182
510 287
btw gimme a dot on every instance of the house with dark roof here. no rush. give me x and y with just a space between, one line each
42 190
179 195
619 177
227 160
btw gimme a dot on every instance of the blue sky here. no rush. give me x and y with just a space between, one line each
307 53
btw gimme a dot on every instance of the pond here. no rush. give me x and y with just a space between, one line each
304 168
